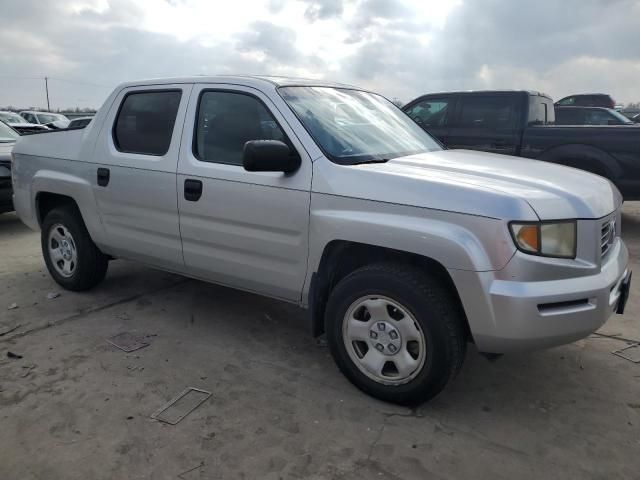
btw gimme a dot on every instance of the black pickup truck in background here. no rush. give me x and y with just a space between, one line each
521 123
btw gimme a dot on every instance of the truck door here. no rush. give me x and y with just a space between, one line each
490 123
134 175
432 114
243 229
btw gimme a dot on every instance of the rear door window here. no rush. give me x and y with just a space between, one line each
431 112
145 122
488 112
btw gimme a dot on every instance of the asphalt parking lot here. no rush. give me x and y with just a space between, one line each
76 407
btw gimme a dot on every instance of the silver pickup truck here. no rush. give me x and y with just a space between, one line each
330 197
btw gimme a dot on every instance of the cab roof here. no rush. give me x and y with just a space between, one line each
466 92
248 80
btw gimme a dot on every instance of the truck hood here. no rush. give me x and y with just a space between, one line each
480 183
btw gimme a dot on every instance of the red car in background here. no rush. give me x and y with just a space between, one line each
587 100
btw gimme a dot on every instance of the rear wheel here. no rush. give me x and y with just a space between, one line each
395 332
73 260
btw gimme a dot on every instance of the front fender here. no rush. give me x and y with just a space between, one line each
456 241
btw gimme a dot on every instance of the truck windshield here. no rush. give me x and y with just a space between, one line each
51 117
7 134
11 118
353 126
620 117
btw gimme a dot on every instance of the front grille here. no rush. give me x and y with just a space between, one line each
607 236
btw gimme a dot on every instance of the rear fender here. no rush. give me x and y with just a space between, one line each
75 187
584 157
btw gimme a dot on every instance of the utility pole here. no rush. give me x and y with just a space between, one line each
46 87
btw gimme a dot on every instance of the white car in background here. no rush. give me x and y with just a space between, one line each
19 124
8 138
52 120
80 122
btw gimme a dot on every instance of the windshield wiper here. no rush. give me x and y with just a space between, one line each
382 160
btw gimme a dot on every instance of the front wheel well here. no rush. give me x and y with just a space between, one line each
47 201
340 258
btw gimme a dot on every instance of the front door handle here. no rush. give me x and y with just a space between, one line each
192 190
103 177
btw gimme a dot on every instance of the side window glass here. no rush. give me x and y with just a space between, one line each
431 112
487 112
539 111
226 121
598 117
568 117
567 101
145 122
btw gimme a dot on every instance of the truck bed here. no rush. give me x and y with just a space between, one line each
612 151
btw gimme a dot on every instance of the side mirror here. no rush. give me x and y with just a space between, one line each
612 122
269 156
4 173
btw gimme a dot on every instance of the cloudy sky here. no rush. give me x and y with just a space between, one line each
400 48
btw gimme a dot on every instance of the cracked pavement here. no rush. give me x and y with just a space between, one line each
75 407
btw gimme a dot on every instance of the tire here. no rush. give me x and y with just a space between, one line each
78 264
428 347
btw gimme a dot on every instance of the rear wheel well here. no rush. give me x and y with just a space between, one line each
582 157
586 164
46 201
340 258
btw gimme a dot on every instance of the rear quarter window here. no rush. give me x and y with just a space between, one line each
541 110
144 124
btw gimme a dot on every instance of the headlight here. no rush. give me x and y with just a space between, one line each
548 239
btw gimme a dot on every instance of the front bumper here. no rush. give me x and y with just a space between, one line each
507 315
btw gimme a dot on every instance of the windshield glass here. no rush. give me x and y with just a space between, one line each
620 117
50 117
11 118
7 134
353 126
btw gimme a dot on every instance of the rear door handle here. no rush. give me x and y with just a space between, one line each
103 177
192 190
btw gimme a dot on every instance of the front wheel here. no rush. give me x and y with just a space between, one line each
73 260
395 332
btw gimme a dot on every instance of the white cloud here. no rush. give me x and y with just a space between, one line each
401 48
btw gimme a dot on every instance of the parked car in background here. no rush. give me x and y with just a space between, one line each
590 116
80 122
521 123
402 251
55 121
8 137
587 100
20 124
